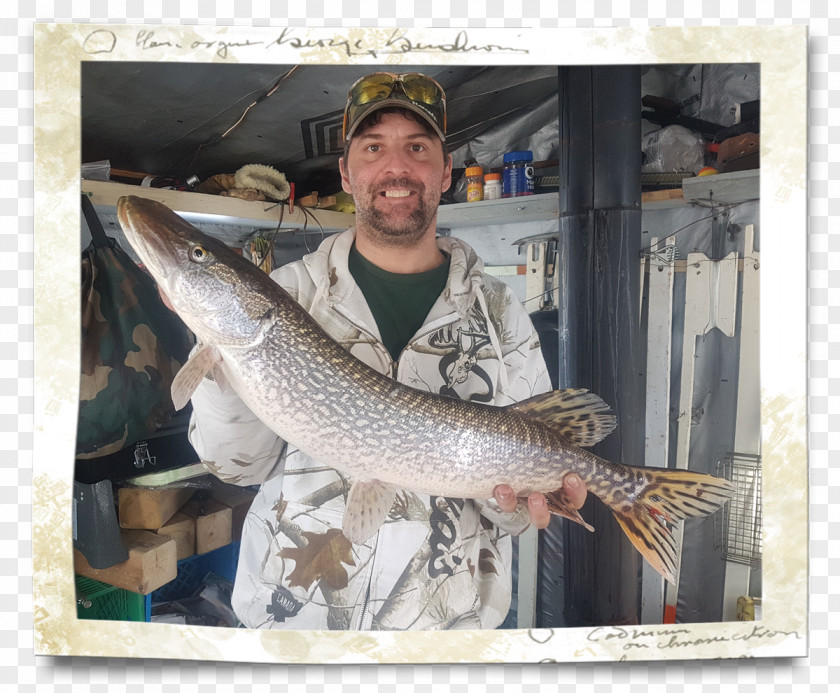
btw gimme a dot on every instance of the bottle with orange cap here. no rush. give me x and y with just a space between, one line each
475 183
492 186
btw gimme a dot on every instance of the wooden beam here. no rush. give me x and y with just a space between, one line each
181 528
662 195
213 523
239 500
152 562
150 508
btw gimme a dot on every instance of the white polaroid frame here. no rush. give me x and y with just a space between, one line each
782 53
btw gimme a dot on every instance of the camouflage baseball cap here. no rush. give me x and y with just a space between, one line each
413 91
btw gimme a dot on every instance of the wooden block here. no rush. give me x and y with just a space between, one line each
239 500
181 528
213 523
123 173
309 200
312 200
150 508
151 563
662 195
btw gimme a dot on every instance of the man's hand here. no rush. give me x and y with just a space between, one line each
538 510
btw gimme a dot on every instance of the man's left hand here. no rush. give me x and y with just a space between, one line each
537 509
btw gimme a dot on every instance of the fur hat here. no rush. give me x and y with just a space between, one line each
264 178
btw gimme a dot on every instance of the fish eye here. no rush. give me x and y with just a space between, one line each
199 254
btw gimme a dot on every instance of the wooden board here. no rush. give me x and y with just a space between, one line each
152 562
662 195
147 508
181 528
213 523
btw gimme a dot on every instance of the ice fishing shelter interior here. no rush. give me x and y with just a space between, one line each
637 256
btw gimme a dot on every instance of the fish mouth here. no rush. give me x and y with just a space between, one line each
153 239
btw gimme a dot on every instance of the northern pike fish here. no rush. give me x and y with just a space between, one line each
255 338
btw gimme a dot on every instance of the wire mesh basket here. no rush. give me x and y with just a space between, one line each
738 530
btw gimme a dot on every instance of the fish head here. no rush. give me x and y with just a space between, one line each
218 294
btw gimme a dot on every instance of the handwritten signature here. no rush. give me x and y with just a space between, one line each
399 42
639 638
629 638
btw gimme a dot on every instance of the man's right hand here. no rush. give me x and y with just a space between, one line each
573 486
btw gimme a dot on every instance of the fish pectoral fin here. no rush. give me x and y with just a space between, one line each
578 415
558 504
368 504
187 379
219 376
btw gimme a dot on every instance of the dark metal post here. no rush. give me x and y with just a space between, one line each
600 236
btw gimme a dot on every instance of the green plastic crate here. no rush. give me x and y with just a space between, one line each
99 601
102 602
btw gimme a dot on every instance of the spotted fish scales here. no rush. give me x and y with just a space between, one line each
253 337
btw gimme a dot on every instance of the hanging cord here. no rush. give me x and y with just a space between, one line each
307 215
258 100
223 110
718 210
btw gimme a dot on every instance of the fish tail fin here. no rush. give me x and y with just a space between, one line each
647 515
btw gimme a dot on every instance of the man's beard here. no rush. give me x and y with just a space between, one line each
397 228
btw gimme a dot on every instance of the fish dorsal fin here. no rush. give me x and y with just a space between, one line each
579 415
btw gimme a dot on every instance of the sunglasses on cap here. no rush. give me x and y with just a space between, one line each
412 90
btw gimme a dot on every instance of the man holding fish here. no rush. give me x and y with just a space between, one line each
421 310
390 400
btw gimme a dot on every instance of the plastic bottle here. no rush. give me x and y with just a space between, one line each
475 183
518 174
492 186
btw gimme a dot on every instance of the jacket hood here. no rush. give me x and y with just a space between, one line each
329 270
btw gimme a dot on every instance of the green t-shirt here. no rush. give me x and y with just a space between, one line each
399 302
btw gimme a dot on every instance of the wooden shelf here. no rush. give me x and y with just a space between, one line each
545 206
229 211
722 188
198 208
718 189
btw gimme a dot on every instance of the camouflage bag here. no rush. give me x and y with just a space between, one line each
132 347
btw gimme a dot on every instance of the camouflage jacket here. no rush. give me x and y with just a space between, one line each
436 562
